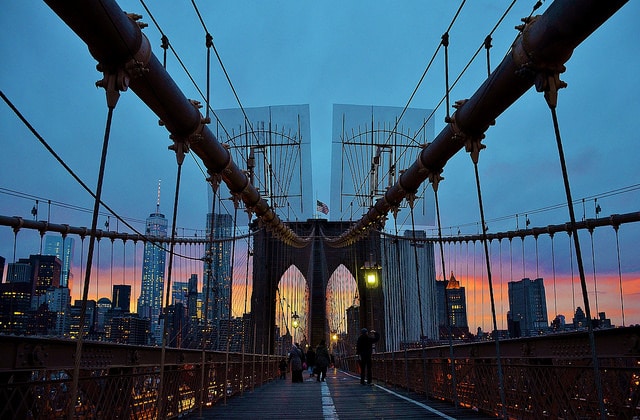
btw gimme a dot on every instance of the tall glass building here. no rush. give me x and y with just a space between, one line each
153 268
217 272
63 249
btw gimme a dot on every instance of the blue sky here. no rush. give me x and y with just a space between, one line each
317 53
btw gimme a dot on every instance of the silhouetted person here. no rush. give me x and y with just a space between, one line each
296 357
322 360
283 368
364 348
311 360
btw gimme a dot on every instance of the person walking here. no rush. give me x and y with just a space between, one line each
296 357
283 368
311 361
322 360
364 349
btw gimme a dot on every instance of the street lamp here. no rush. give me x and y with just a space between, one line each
370 270
295 322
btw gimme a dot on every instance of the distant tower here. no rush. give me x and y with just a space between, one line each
217 274
192 297
63 249
45 271
121 297
454 295
150 300
527 307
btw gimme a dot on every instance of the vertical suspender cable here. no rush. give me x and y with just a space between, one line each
244 318
230 313
501 285
454 388
615 227
179 149
573 292
209 43
403 316
208 260
445 43
574 230
593 261
111 103
422 337
553 269
488 264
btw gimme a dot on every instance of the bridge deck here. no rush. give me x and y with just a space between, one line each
340 397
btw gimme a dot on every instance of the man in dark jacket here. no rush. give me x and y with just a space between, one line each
364 348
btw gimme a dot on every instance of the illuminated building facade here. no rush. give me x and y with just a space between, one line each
153 269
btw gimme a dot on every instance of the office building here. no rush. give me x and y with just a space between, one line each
61 247
153 271
452 304
527 308
121 297
217 268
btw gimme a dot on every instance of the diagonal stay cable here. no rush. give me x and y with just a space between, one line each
73 174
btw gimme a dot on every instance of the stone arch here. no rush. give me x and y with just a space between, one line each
316 261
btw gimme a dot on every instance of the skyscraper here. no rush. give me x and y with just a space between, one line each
217 272
452 294
153 265
46 272
63 249
192 297
122 297
527 308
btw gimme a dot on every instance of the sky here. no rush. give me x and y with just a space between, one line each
322 53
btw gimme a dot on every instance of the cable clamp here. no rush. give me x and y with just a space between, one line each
435 178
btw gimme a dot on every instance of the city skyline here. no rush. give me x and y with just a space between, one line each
563 297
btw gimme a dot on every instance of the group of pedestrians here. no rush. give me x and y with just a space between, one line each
318 361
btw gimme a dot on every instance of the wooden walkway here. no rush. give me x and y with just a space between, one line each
340 397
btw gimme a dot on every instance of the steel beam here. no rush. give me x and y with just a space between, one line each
124 54
540 50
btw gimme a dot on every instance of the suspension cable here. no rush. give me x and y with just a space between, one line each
230 299
180 148
619 273
206 333
474 148
553 269
552 85
111 103
593 263
435 183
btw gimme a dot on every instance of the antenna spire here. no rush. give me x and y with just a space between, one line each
158 202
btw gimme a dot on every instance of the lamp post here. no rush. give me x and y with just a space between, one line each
295 322
370 270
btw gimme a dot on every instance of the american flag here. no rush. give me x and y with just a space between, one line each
321 207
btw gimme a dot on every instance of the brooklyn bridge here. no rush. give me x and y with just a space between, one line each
243 258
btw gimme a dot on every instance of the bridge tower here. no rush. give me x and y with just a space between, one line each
317 262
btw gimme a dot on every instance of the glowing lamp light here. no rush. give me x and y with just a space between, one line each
295 320
371 279
370 270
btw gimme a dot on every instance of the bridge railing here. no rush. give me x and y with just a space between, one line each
119 381
544 377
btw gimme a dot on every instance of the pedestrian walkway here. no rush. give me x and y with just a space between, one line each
340 397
